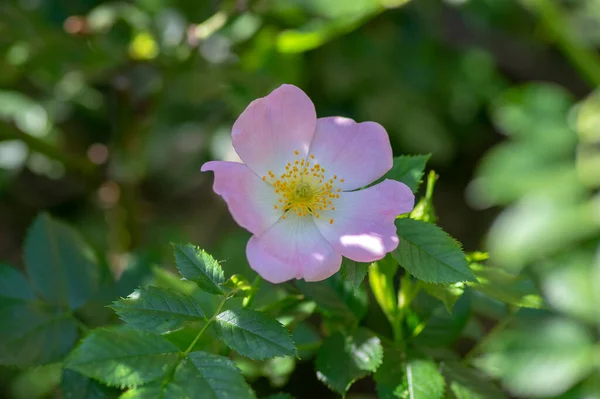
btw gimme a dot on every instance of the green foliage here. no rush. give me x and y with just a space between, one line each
253 334
354 272
123 358
544 359
336 299
158 310
422 379
342 360
77 386
430 254
61 267
404 375
196 265
466 383
408 169
36 331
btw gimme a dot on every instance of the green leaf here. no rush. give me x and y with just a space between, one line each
34 333
354 272
467 383
407 169
517 290
447 293
540 359
61 267
421 380
206 375
442 328
337 299
123 357
196 265
199 375
254 334
158 310
390 374
78 386
13 284
153 391
429 254
341 360
280 396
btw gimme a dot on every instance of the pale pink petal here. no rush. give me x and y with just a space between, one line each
363 228
292 248
358 153
250 200
272 128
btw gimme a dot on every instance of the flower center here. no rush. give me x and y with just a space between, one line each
304 188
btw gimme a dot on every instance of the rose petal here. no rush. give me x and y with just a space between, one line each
249 199
363 229
359 153
272 128
292 248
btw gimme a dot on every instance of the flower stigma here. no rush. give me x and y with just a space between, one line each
303 188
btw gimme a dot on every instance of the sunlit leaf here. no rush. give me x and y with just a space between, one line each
123 358
254 334
158 310
196 265
429 254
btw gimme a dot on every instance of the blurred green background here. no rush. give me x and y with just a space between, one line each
108 110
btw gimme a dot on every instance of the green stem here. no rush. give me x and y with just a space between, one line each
208 323
585 60
74 163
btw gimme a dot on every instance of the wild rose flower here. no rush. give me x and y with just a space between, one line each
297 190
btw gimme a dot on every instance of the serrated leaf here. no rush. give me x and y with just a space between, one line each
254 334
205 375
33 333
61 267
354 272
342 360
336 299
422 380
158 310
540 359
429 254
196 265
155 390
123 357
447 293
13 284
468 383
78 386
407 169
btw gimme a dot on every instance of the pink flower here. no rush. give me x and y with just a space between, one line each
297 188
